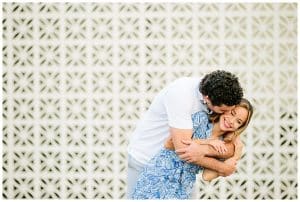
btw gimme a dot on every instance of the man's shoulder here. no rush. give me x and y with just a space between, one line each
186 80
183 88
182 85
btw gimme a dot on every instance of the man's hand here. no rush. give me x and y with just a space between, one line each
191 153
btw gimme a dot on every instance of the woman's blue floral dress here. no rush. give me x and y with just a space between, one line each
166 176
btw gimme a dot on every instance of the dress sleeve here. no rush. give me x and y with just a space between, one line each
200 123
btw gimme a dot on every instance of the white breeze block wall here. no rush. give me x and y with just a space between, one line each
77 77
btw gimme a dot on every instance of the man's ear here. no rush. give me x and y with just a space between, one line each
206 98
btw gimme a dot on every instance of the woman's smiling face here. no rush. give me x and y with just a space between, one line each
233 119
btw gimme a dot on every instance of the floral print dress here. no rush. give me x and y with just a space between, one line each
166 176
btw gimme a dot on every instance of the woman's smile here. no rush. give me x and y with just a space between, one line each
226 123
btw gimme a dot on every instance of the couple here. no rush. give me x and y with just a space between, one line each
200 119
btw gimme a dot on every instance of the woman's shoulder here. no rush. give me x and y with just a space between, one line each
200 117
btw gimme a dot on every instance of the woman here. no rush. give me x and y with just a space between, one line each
168 177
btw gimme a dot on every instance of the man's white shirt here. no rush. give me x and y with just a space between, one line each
172 107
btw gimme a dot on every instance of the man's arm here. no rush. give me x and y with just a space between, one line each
180 135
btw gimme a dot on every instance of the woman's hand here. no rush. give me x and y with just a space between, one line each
218 145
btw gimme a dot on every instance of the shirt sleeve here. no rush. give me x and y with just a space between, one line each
178 103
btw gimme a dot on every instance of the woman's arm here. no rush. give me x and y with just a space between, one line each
209 174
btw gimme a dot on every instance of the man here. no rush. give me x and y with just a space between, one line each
170 113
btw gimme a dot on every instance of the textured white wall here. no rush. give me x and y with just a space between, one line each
77 77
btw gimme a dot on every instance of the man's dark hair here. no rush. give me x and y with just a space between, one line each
221 87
